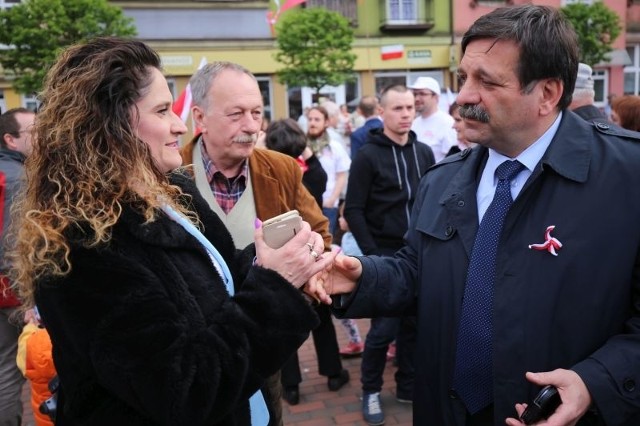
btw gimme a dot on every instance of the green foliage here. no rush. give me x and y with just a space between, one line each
37 30
597 27
315 48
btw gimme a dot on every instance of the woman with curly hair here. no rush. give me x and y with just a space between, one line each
154 316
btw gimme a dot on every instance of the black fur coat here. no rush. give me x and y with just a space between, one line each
144 332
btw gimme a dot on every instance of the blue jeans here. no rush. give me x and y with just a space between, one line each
332 215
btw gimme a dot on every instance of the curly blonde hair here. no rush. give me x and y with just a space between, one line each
85 157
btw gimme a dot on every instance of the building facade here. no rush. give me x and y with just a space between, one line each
417 32
396 42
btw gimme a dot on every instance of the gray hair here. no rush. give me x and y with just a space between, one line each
584 93
332 108
202 80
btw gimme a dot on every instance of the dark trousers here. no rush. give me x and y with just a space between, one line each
382 332
327 351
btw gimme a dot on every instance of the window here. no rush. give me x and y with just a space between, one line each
5 4
385 79
3 105
632 72
600 87
30 102
347 93
402 11
347 8
265 89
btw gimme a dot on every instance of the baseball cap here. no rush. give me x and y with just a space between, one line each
428 83
584 79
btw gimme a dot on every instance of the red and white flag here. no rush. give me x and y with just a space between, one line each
290 3
182 105
272 17
393 51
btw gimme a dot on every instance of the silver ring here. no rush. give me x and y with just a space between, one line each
310 246
314 254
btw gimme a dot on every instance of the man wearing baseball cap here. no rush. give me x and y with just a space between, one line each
583 96
431 125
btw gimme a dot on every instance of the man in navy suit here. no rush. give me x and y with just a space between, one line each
369 108
565 284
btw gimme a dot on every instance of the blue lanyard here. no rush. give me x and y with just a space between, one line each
259 411
214 254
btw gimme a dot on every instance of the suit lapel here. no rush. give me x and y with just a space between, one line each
459 198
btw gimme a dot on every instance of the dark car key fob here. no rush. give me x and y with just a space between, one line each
543 405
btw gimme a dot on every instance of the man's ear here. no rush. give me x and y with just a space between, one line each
198 117
552 89
10 142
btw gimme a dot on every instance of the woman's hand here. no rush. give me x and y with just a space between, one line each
298 260
339 278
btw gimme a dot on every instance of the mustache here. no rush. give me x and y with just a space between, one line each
474 112
246 138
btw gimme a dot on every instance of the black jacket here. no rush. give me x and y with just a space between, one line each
578 310
590 113
315 179
145 333
383 181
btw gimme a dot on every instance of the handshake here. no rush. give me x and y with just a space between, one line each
287 245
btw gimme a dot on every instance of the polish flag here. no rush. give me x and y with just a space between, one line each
182 105
393 51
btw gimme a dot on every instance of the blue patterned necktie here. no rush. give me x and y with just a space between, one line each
473 374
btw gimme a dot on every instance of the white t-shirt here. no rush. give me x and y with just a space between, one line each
437 132
334 159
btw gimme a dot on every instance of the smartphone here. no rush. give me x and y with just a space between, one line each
280 229
542 406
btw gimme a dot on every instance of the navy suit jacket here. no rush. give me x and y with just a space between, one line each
578 310
359 137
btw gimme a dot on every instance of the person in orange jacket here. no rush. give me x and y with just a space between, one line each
35 361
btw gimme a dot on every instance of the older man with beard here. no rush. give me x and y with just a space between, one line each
241 183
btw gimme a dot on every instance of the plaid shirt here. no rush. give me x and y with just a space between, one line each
226 191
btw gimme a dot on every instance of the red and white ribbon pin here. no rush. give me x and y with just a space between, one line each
550 244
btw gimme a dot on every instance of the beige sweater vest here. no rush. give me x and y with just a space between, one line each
241 218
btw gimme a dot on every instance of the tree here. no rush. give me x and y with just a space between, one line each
597 27
35 31
315 48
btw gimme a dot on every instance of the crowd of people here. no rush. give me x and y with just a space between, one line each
137 287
